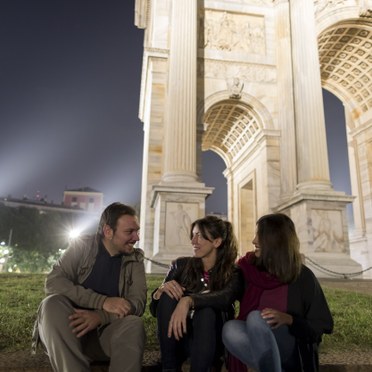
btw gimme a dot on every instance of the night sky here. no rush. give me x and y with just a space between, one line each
70 82
70 74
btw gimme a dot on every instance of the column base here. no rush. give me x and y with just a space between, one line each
176 207
321 225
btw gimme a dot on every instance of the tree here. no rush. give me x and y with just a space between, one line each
38 237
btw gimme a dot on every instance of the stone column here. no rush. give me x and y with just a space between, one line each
180 129
312 157
179 198
286 119
319 212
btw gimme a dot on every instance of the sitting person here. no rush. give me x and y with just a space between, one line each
96 293
197 297
283 313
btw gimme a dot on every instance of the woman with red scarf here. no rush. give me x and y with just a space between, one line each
283 313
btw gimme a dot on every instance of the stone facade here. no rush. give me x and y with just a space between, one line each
244 78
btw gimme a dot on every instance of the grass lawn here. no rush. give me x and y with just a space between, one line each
20 295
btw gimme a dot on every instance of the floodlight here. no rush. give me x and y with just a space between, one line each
74 233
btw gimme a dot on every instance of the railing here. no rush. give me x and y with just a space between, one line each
335 273
312 262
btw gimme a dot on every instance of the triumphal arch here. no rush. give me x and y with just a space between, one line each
244 79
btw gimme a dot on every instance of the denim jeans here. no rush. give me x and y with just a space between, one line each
258 346
202 342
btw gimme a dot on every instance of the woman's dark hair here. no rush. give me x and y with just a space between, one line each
279 247
210 228
111 215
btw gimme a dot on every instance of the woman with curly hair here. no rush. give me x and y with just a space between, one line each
197 297
283 313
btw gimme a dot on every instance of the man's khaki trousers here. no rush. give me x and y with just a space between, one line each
122 342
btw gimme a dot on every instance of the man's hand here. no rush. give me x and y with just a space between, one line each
117 305
178 321
83 321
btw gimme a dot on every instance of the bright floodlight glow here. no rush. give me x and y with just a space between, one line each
82 225
2 243
6 251
74 233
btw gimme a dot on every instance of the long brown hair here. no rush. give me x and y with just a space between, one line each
279 247
210 228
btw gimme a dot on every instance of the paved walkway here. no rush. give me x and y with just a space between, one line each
356 285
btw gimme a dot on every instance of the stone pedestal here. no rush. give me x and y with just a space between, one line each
176 207
321 224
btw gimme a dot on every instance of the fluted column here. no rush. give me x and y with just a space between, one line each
312 157
286 118
180 128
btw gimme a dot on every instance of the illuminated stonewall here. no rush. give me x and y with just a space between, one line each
244 78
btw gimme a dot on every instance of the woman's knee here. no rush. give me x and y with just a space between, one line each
255 322
166 304
165 299
232 331
228 330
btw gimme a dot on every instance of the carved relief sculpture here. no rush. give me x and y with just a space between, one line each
232 32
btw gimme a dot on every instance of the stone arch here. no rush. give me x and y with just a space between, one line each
230 125
345 59
346 70
327 16
242 132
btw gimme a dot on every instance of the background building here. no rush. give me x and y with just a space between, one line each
84 198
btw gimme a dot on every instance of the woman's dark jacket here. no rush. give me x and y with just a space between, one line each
222 299
307 305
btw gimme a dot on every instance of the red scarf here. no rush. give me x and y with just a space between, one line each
256 282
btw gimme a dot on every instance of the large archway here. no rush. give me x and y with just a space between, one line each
346 70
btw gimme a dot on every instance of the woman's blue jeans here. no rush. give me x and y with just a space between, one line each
257 345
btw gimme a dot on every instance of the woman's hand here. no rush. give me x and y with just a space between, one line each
178 321
171 288
275 318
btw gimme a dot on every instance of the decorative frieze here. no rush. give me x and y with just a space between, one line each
232 32
321 6
248 72
366 8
